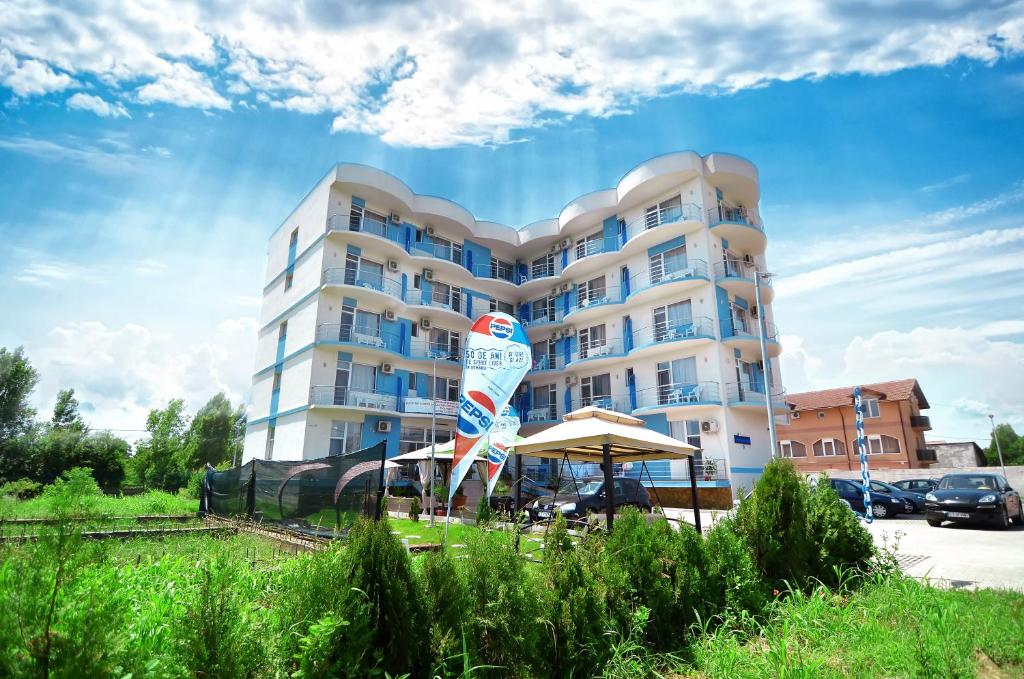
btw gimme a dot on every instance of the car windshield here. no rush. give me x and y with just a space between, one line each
584 487
968 483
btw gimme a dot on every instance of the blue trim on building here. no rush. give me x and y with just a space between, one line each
277 416
746 470
676 242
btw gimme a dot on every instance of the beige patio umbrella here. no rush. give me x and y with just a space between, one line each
605 437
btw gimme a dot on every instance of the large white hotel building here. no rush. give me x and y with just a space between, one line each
638 298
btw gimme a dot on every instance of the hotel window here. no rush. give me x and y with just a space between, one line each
591 292
667 264
363 272
415 438
739 319
289 279
589 245
543 266
543 309
666 211
828 448
503 307
361 219
293 240
353 377
591 340
546 397
446 249
596 390
447 295
870 406
282 332
544 355
445 343
673 320
268 454
277 381
446 389
879 444
687 431
792 449
367 323
501 270
676 380
344 437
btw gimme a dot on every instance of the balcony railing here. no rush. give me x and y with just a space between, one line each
593 246
734 268
669 215
540 413
920 422
617 403
494 272
444 251
443 351
678 395
439 300
362 279
586 298
926 455
545 362
543 271
327 395
657 275
597 348
673 332
739 392
731 214
748 327
354 334
545 316
707 469
362 224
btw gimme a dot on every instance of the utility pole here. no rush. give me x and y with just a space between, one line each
758 275
999 448
434 355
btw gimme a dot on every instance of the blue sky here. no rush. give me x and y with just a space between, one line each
146 155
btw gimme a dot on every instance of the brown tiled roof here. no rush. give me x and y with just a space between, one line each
897 390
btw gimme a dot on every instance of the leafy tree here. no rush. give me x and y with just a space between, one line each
157 460
17 380
1012 446
213 437
65 412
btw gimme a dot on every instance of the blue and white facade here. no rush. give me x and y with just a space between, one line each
638 298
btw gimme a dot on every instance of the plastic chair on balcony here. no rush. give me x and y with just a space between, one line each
368 340
537 415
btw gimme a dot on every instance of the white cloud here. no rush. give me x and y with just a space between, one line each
30 77
52 273
182 86
108 155
945 184
436 74
123 372
98 105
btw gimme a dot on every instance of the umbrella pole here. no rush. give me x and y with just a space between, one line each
693 492
647 469
609 484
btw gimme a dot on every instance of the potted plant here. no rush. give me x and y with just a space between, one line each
441 495
710 470
415 509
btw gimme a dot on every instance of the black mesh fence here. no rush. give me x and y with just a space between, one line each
312 496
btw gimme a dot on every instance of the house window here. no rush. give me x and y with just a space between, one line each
445 343
503 307
344 437
501 270
589 245
828 448
543 266
268 454
667 264
672 321
544 355
546 398
415 438
591 292
591 340
596 390
879 444
449 296
289 279
677 380
792 449
543 309
870 406
687 431
666 211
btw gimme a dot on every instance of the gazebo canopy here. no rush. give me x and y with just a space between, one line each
583 434
443 453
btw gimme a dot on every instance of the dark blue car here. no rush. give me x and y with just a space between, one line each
914 502
883 506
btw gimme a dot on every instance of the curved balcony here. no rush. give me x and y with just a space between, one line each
441 306
658 338
544 320
738 278
619 404
544 363
696 396
595 351
493 273
540 415
744 337
367 232
356 336
658 226
586 304
444 352
419 406
736 225
387 288
660 281
590 256
444 257
329 396
753 397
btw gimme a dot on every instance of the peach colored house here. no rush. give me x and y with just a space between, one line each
822 433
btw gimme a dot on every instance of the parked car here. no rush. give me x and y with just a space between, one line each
883 505
974 497
914 502
587 495
922 486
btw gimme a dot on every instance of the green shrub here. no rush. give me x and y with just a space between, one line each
334 647
774 522
22 489
840 541
485 515
732 583
414 508
194 487
447 603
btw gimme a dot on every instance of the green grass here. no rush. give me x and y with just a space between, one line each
420 532
150 502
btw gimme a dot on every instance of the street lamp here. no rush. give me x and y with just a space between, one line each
999 448
758 275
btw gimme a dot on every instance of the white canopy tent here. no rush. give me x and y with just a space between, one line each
605 437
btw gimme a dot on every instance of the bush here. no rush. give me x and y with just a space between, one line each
22 489
774 522
840 541
414 508
194 487
485 515
732 584
446 602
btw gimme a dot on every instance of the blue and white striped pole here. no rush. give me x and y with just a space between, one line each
862 445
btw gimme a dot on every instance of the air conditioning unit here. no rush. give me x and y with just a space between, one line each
392 265
555 335
389 314
395 218
428 274
425 323
564 244
566 287
384 426
431 231
554 291
387 368
709 426
554 247
571 379
569 332
748 259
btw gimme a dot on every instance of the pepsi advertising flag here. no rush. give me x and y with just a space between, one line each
496 358
500 440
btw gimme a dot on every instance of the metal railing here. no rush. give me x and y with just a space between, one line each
694 268
596 348
678 395
673 332
739 392
734 268
362 279
617 403
542 271
338 222
447 252
586 298
593 246
669 215
354 334
545 317
731 214
494 272
540 413
545 362
445 351
749 327
327 395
